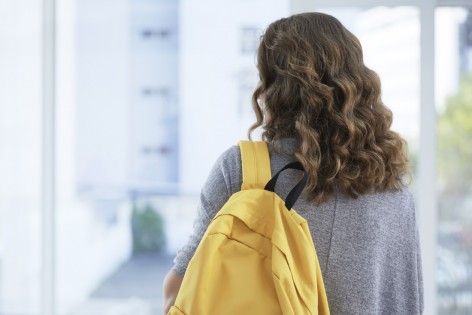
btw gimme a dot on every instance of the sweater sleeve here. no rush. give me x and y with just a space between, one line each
419 267
221 183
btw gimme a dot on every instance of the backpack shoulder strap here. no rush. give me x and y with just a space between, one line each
255 164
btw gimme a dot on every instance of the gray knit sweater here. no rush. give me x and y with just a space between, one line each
368 247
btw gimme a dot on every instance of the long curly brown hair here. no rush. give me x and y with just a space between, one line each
314 87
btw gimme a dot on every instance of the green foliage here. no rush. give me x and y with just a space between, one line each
455 141
148 230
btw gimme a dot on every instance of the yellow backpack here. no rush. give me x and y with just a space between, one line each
256 257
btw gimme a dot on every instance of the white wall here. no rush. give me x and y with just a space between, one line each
20 155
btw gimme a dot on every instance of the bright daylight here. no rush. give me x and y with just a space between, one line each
119 130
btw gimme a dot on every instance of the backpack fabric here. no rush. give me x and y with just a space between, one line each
257 255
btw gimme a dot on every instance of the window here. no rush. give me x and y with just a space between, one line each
140 83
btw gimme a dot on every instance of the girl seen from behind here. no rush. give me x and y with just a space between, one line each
317 103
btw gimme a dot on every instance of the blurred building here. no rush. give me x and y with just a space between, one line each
465 43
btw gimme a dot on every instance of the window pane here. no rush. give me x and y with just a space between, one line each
138 93
20 157
454 130
93 209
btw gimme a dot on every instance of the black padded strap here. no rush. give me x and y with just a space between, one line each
295 193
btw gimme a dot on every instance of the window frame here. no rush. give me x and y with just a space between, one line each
48 172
